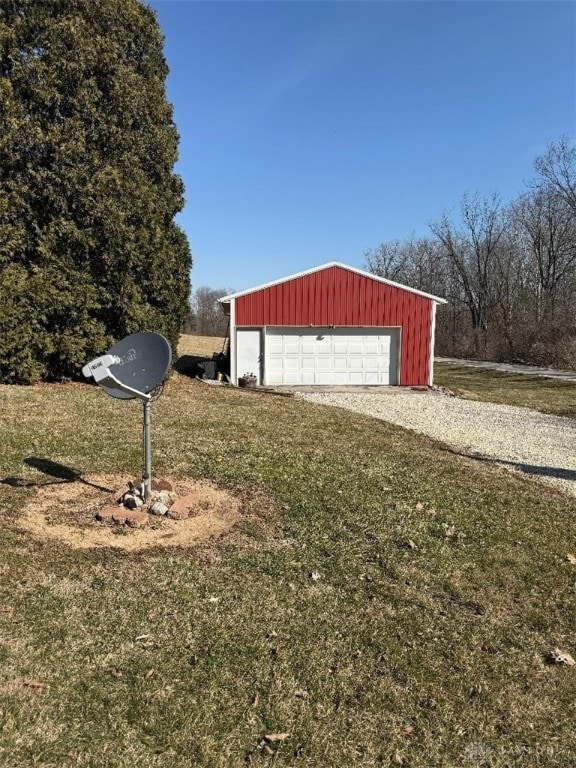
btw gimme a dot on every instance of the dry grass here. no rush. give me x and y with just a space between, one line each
379 601
538 393
201 346
64 511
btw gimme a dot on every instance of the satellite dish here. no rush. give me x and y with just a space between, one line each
145 359
133 368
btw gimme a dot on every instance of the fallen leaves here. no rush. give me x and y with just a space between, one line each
449 531
114 672
557 656
421 507
36 685
274 738
315 576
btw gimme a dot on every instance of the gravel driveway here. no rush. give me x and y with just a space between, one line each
518 438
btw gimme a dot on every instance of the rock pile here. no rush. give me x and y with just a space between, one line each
134 511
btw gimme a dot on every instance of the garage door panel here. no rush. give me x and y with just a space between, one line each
275 377
331 356
340 363
276 346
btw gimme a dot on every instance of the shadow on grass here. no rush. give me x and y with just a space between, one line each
559 473
59 472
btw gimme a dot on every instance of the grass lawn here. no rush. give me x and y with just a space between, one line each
381 601
538 393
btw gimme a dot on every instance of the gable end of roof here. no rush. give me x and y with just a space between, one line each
369 275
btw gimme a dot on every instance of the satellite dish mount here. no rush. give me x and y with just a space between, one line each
133 368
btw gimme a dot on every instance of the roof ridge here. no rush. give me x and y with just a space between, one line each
328 265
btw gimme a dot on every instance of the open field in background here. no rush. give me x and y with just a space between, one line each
381 601
199 345
538 393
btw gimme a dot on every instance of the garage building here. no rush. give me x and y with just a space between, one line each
332 325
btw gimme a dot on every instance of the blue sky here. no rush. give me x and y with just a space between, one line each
312 131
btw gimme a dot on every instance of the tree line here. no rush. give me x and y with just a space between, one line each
205 316
508 270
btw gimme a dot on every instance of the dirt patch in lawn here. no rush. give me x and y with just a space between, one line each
65 511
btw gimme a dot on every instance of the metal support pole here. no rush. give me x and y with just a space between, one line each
147 470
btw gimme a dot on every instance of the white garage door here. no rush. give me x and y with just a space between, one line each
331 355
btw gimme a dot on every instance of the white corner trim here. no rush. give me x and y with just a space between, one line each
432 341
233 372
227 299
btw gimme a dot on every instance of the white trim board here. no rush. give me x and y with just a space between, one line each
227 299
431 343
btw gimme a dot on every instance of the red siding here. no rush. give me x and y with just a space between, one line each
338 297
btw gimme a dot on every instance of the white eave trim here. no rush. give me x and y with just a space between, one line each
227 299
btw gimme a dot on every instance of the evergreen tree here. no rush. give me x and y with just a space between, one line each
89 250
